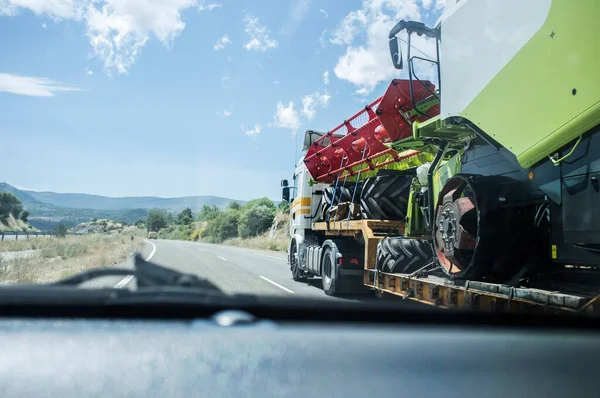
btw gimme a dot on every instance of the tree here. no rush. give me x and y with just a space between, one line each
234 206
284 207
16 210
185 217
223 226
140 223
61 230
24 215
8 202
256 219
157 219
207 213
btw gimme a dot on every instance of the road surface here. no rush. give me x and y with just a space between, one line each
234 269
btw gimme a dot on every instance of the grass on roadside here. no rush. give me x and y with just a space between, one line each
61 257
260 242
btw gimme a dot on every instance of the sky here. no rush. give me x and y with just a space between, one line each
184 97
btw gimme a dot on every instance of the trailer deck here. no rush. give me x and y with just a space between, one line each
552 295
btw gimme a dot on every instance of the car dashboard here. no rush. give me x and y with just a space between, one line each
235 354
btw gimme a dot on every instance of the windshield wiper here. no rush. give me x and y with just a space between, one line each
147 275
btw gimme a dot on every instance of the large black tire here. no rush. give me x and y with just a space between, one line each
297 274
342 194
385 197
403 256
328 272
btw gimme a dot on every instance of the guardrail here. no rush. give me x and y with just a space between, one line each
25 235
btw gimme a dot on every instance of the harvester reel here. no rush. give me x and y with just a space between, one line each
469 229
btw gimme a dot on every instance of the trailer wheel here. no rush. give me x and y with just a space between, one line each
328 271
297 273
385 197
401 255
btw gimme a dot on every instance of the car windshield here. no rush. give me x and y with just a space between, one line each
440 153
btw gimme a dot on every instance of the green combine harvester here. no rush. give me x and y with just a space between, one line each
482 192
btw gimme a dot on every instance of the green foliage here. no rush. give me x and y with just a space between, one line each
140 223
16 211
207 213
9 203
61 230
185 217
283 207
256 218
157 219
24 215
223 226
234 206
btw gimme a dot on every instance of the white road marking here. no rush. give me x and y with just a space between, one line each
266 255
223 258
123 282
277 284
200 250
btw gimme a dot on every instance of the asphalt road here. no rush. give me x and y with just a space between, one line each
233 269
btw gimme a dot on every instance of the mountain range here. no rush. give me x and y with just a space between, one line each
48 209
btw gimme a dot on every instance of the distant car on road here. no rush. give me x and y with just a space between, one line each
153 235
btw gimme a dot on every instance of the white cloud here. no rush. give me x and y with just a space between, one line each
322 11
276 82
44 26
287 117
228 81
208 7
117 29
89 72
311 102
253 131
32 86
326 77
229 58
258 35
221 43
297 12
369 63
224 113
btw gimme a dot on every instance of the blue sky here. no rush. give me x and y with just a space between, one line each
183 97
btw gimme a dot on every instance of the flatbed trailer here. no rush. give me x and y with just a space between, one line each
566 293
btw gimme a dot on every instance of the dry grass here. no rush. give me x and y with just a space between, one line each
26 244
62 257
278 242
259 242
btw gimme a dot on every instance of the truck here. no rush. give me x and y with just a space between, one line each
476 188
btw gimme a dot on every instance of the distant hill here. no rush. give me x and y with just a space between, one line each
48 209
23 196
85 201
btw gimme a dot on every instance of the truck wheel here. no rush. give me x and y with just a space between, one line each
297 274
385 197
401 255
328 271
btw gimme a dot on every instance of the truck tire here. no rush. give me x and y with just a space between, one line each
328 272
385 197
297 274
342 194
403 256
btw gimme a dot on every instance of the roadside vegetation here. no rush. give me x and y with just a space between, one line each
258 224
12 215
52 258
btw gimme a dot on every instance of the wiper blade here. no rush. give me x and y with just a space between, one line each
146 273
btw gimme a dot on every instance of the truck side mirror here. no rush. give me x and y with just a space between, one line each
396 53
284 183
285 194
